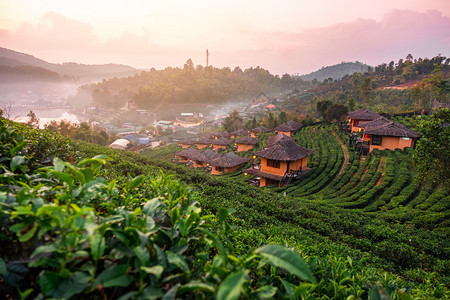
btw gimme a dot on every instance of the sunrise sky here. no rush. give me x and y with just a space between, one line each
283 36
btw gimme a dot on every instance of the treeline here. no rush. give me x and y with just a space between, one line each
82 131
190 84
423 80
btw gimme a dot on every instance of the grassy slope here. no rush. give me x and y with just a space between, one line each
316 228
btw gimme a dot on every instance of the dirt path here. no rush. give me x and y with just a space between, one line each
344 149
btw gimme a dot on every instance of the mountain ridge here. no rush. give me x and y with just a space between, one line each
337 71
13 58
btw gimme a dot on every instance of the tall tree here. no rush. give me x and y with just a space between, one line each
233 122
336 112
366 89
432 156
282 117
33 121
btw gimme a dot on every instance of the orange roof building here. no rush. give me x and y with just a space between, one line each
280 160
227 163
288 128
361 115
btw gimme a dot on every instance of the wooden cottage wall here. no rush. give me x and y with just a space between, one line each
392 143
278 171
242 148
217 147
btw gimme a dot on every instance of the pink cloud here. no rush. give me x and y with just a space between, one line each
396 35
57 39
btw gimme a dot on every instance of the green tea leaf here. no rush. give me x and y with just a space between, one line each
231 287
3 270
265 292
114 276
174 215
178 261
48 281
18 147
64 177
16 161
155 270
44 249
282 257
195 286
377 293
289 287
97 243
137 181
58 164
223 214
150 206
217 243
170 295
142 254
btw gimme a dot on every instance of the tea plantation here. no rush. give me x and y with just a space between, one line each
82 221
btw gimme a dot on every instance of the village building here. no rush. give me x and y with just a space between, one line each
389 135
121 144
221 143
204 142
246 143
227 163
375 123
186 155
288 128
204 158
272 140
284 159
361 115
259 129
186 143
238 133
219 135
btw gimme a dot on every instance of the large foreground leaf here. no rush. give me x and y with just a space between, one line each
280 256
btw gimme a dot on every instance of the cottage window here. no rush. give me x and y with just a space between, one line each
405 138
273 163
376 140
219 169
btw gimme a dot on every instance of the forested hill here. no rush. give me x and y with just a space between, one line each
187 85
336 72
14 59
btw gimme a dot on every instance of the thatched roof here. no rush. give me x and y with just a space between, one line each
240 132
205 141
284 150
289 126
261 129
190 153
229 160
221 134
363 114
260 173
206 156
248 140
276 138
188 141
374 123
392 129
221 142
